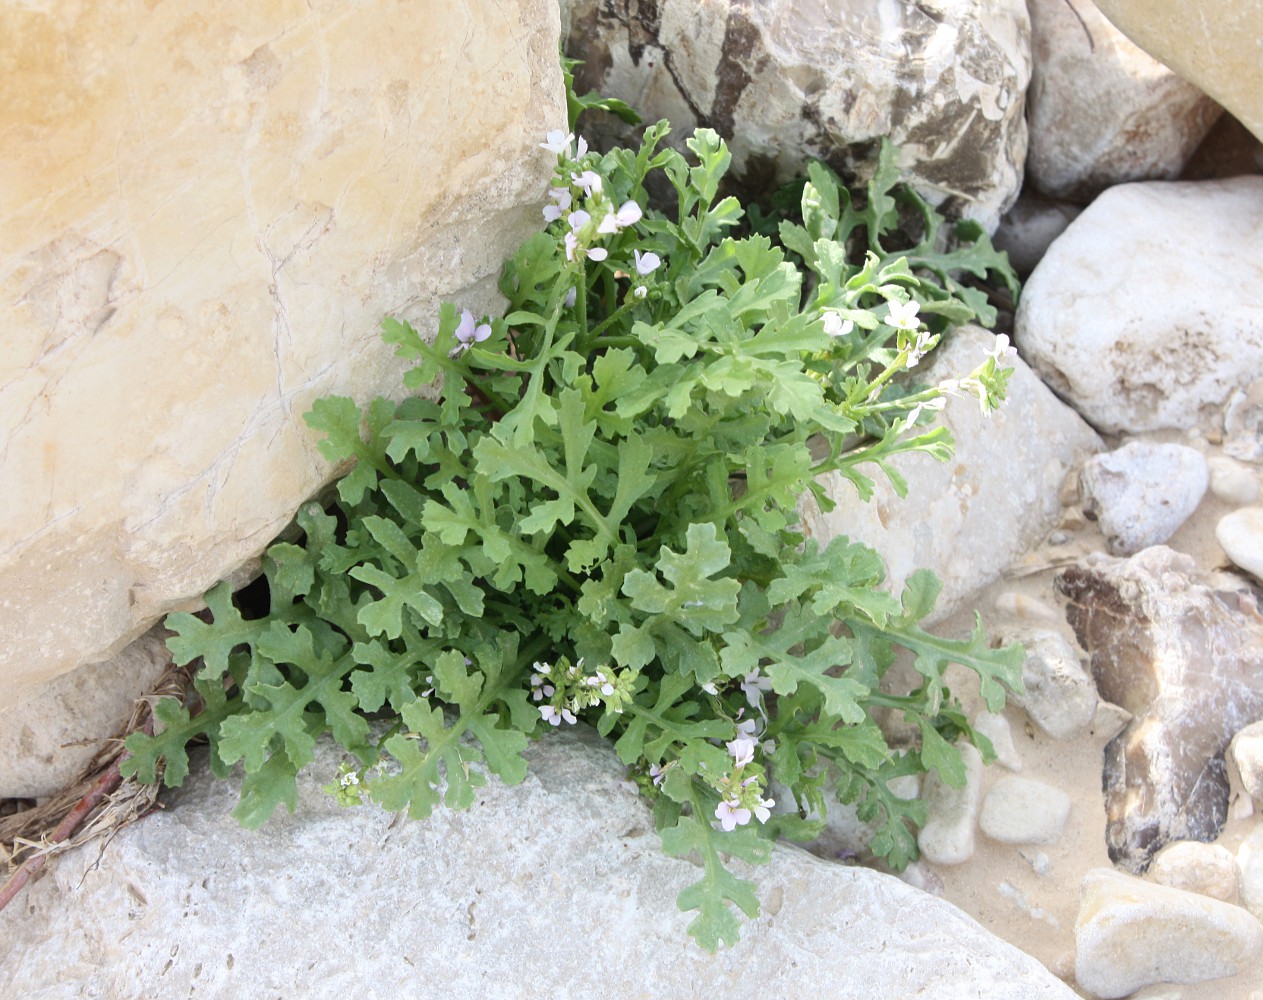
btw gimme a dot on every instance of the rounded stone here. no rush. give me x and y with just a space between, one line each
1250 872
1232 482
1021 811
1245 752
1241 535
1194 867
948 835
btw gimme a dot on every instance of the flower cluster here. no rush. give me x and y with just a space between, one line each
561 690
741 790
578 197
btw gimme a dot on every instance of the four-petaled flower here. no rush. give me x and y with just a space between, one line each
628 215
903 315
557 141
646 263
468 334
658 774
741 750
554 717
732 814
589 180
561 201
919 348
836 326
754 684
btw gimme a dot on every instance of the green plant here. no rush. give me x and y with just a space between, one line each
597 519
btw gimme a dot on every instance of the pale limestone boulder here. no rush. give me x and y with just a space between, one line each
968 519
1245 754
788 80
1216 44
207 212
1205 868
1101 110
1059 695
556 887
1146 312
1130 933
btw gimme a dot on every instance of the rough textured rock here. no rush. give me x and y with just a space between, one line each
1188 664
1241 535
557 886
1020 811
1060 697
990 509
952 813
1110 323
207 213
51 734
1131 933
1142 492
1243 423
1101 111
1212 43
787 80
1245 752
1205 868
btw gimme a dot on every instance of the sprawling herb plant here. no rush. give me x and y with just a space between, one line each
597 519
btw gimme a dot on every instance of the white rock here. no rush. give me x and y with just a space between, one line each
1060 697
996 728
948 835
1245 753
1101 111
785 80
1021 811
1143 492
556 887
208 210
1205 868
51 733
1131 933
1135 335
1243 423
1241 535
1250 872
1232 482
1109 720
993 509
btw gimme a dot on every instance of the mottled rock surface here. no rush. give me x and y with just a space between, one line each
1188 665
968 519
1101 110
1060 697
1131 933
1243 423
1204 868
788 80
207 212
1145 313
1142 493
558 886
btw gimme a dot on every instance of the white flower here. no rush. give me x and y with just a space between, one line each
646 263
836 326
741 750
589 180
578 220
919 348
542 689
558 142
597 253
747 727
468 334
754 684
562 199
764 809
731 814
628 215
570 298
553 717
640 291
658 774
709 688
903 315
1002 351
350 778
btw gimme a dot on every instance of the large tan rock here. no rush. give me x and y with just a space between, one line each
1216 44
206 212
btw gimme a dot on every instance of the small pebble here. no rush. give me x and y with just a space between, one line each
1011 602
1060 697
1131 933
948 835
1232 482
1021 811
1109 720
1250 872
1245 754
996 728
1241 535
1205 868
1143 492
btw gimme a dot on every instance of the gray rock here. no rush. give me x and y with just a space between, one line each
969 520
1143 492
1020 811
1241 535
1060 697
948 835
786 80
1131 933
51 732
1245 753
1205 868
1101 110
1029 228
1188 664
1138 337
558 886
